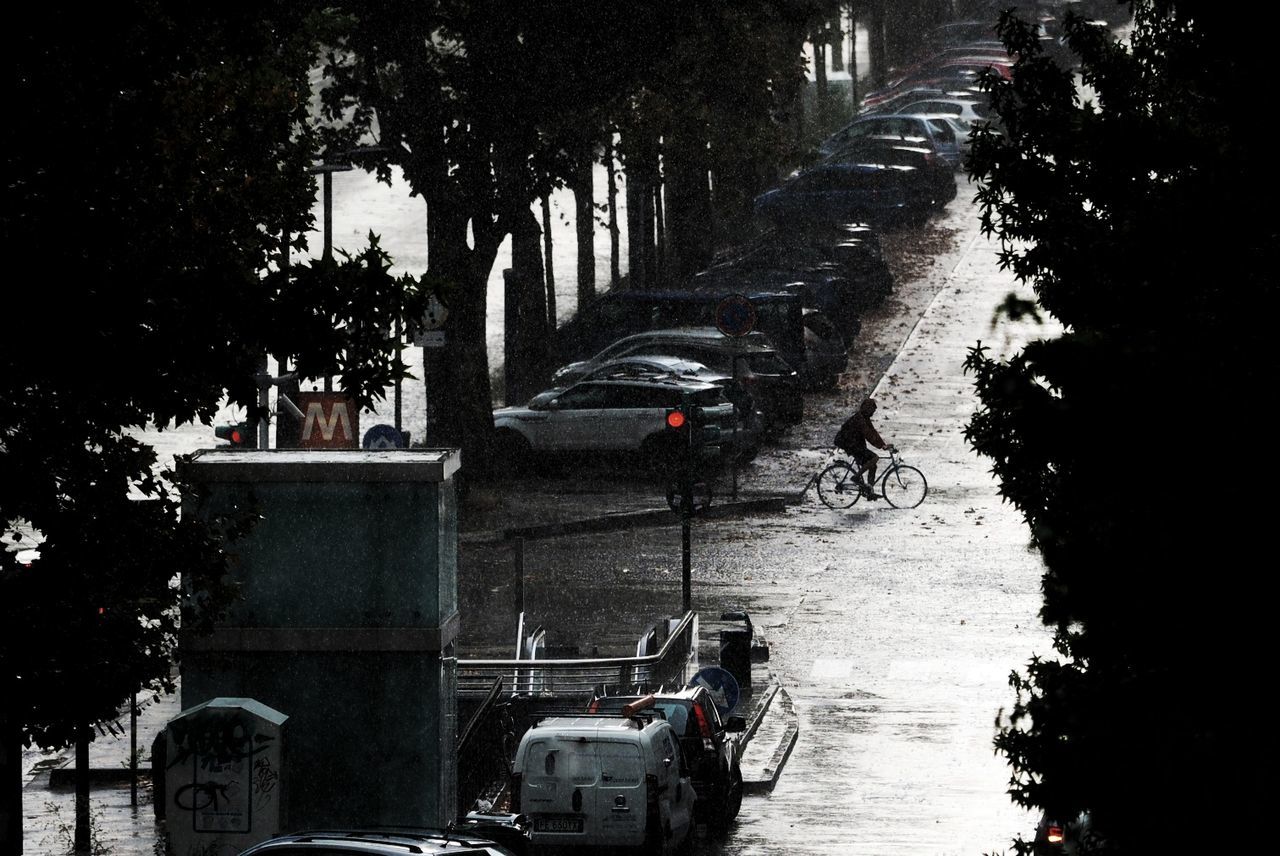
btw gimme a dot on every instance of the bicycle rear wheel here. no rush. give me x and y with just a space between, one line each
838 486
904 486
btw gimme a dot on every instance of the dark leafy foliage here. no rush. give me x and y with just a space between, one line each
156 161
1135 195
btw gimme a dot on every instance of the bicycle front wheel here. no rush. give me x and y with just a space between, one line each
904 487
838 486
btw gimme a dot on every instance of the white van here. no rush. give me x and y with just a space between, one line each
606 782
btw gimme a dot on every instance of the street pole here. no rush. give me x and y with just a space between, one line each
327 169
686 576
399 352
133 750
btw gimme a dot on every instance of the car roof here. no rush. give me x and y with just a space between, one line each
754 340
698 295
682 382
597 725
386 840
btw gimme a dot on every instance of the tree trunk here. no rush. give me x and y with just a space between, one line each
584 216
459 399
10 774
876 44
531 348
835 40
853 59
688 198
615 255
820 76
82 845
657 262
549 266
640 237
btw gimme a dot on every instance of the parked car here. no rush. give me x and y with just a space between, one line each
742 440
708 743
751 359
821 284
968 109
602 417
940 134
604 783
840 290
932 179
836 193
377 842
854 246
615 314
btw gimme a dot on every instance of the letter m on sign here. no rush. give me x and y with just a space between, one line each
330 421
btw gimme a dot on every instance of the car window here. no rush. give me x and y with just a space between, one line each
709 397
646 397
712 714
677 714
942 130
584 396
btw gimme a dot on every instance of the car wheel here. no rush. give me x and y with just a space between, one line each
732 802
512 450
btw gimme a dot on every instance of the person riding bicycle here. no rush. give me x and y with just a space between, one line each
853 437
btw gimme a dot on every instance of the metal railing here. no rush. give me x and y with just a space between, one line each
673 665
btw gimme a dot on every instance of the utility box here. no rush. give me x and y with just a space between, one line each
346 619
222 780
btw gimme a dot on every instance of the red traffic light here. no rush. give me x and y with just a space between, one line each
236 435
675 418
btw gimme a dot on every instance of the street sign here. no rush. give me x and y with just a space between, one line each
721 686
330 420
429 339
382 437
735 315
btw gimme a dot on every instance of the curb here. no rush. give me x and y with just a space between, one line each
623 520
757 715
773 768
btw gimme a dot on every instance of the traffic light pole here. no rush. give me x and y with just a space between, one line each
687 569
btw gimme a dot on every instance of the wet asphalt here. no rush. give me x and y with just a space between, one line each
892 631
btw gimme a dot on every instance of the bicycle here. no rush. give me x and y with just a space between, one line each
840 485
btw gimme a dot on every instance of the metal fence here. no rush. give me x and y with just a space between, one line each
673 665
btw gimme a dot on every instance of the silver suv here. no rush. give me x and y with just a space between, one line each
614 415
751 359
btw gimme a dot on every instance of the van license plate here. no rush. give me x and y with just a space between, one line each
558 823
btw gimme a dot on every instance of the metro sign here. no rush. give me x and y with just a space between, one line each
331 420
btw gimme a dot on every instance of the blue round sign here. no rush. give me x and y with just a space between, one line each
382 437
736 315
721 686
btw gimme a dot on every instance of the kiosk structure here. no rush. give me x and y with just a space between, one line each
345 622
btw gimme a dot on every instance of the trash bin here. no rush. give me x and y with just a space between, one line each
735 654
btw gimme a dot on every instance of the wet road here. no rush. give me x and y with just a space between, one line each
894 631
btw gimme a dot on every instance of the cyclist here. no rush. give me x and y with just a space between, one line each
853 437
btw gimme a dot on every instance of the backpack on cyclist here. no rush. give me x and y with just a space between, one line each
847 436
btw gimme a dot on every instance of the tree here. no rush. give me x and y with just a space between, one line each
156 162
1138 213
471 100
